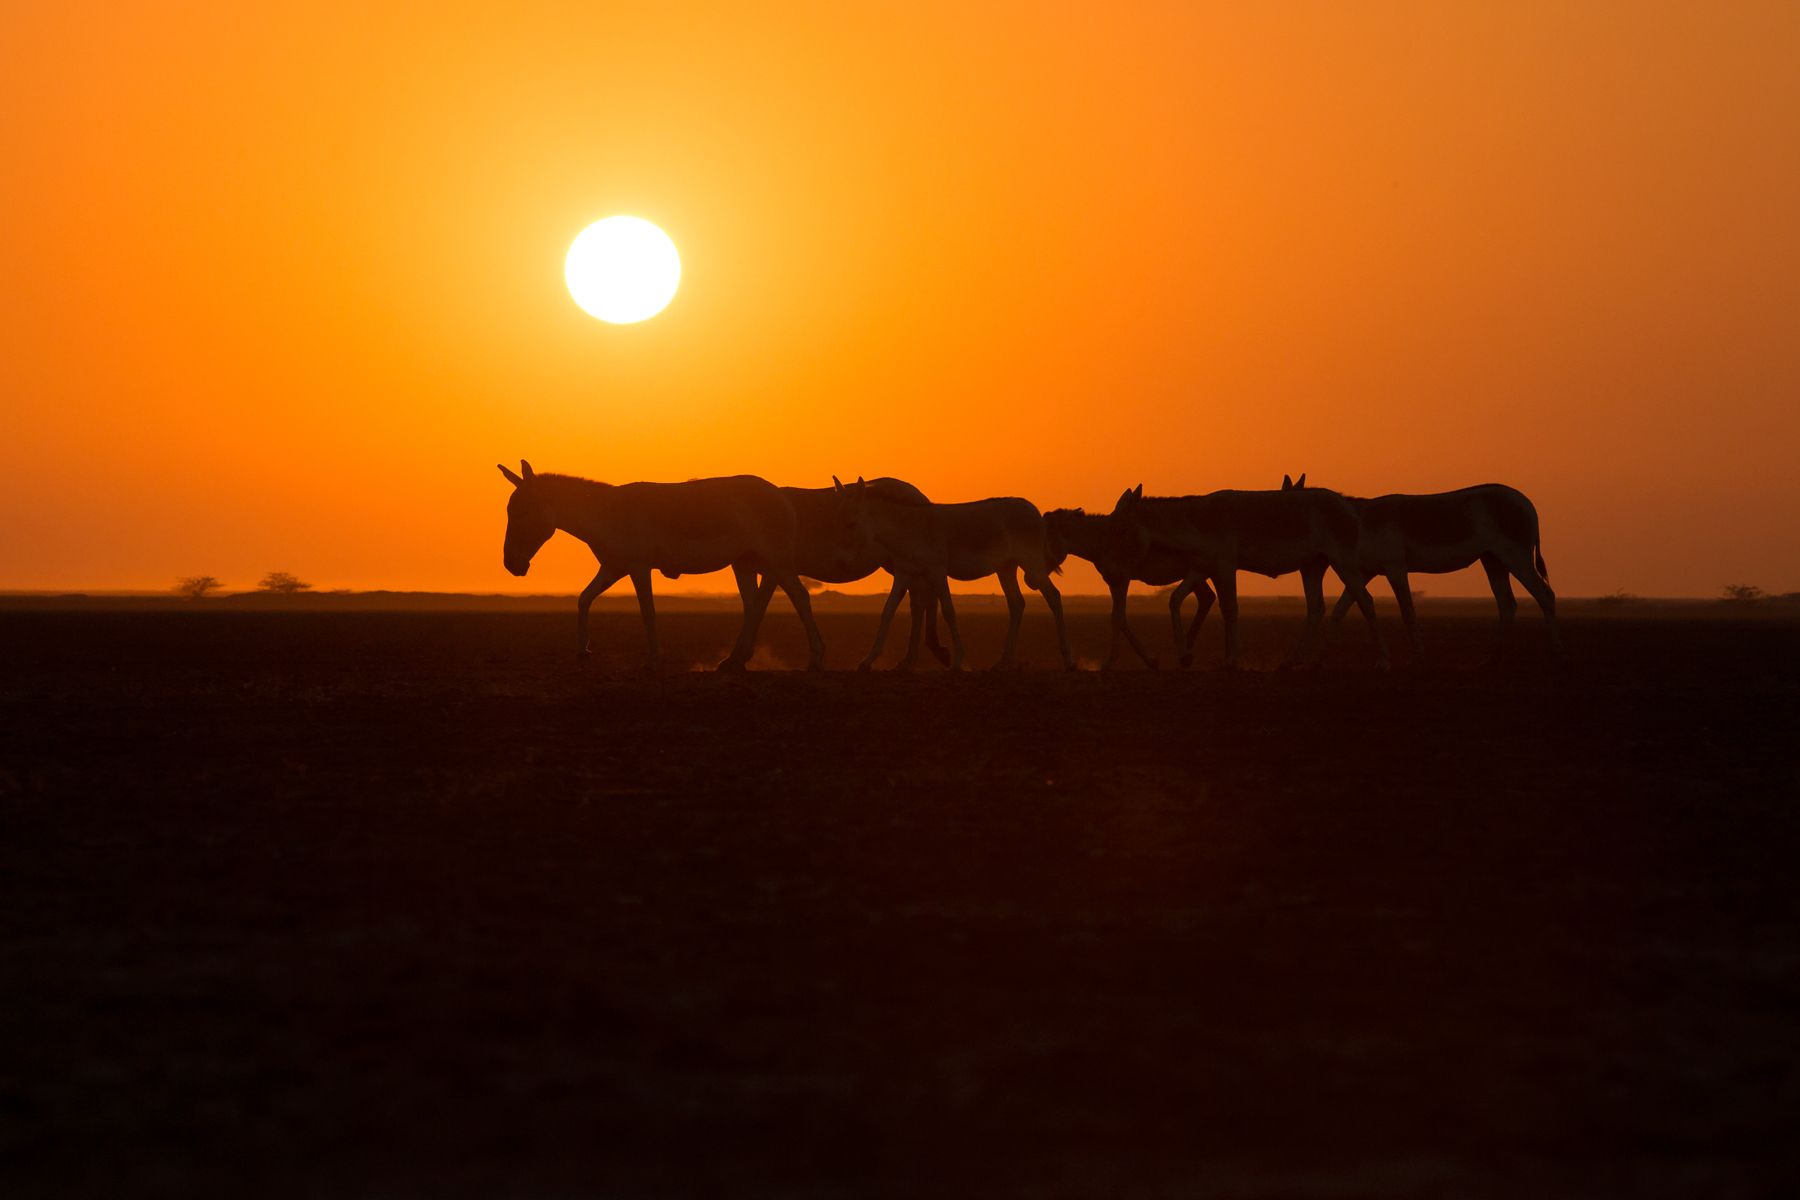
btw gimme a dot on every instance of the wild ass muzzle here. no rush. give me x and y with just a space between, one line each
1270 533
825 549
927 545
1434 533
691 528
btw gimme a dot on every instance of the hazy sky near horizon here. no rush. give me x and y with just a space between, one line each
283 284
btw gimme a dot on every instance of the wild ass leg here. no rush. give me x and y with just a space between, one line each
1121 628
1204 594
916 631
1226 583
647 609
754 589
606 577
1175 598
1015 615
881 630
755 596
932 643
956 643
1312 582
815 641
1353 583
1501 583
1408 616
1053 600
1525 570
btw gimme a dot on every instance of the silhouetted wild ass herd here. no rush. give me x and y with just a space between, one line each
774 536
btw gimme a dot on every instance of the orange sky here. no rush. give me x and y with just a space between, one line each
282 286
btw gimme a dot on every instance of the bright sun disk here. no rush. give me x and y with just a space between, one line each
622 269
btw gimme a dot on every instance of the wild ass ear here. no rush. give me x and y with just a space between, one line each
529 473
1301 482
510 477
838 484
1287 485
860 485
1126 500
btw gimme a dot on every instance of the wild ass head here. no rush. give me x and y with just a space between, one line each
1113 542
854 529
528 520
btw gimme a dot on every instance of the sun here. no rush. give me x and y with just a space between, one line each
622 269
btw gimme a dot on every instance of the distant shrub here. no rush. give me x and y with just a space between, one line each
283 584
195 587
1742 593
1615 598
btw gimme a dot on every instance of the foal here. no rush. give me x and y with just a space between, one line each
930 544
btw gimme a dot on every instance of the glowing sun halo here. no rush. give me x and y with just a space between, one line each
622 269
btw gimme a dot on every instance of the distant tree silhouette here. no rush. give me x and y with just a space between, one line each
1617 597
1742 593
282 584
195 587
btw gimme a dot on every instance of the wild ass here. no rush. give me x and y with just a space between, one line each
740 522
1271 533
927 545
1434 533
825 551
1123 561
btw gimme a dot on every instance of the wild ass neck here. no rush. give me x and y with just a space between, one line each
579 507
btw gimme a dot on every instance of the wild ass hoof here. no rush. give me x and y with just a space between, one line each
815 666
866 665
730 665
583 657
941 654
1187 660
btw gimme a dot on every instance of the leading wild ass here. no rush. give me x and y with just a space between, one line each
826 551
740 522
1434 533
927 545
1271 533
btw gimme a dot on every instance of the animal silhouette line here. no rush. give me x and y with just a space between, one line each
771 536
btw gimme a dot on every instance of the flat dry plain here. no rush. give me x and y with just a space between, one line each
319 903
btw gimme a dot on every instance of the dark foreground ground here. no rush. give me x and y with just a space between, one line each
387 905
